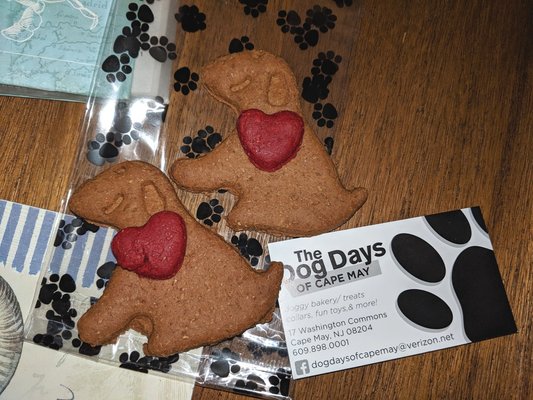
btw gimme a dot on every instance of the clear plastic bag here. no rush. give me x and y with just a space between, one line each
126 120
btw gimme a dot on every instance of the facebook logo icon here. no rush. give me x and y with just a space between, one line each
302 367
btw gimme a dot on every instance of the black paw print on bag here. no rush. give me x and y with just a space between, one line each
132 40
160 48
210 212
326 63
318 20
133 361
224 362
105 146
325 66
104 273
316 88
127 45
67 233
55 293
117 68
289 21
258 350
186 81
250 248
324 114
254 7
190 18
205 140
277 383
280 382
237 45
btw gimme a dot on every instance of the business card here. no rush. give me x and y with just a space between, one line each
366 295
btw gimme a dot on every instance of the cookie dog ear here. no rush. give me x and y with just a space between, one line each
278 92
153 200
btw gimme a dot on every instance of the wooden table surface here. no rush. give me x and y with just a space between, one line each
435 113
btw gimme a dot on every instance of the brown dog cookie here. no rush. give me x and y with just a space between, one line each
285 184
214 295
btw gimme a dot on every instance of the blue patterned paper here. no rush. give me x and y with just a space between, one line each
54 45
27 233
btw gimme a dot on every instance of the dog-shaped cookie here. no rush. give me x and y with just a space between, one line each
297 191
215 294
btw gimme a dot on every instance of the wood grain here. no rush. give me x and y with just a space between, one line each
435 102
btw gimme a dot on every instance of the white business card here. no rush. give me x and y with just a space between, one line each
360 296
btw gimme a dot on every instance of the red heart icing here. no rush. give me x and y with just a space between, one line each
270 141
154 250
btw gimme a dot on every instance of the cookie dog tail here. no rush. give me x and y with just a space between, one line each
358 196
271 282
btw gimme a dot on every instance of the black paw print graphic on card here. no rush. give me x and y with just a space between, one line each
459 257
